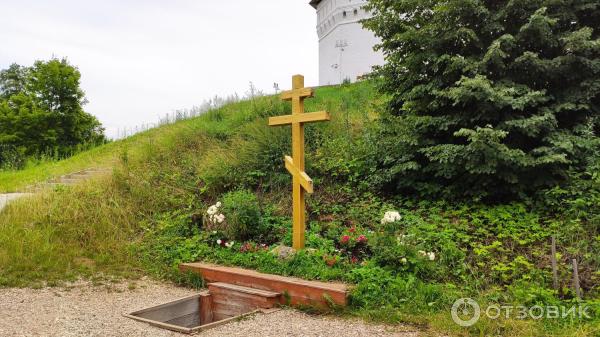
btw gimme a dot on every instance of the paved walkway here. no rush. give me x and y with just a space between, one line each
6 198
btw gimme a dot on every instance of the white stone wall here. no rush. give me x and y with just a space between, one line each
345 48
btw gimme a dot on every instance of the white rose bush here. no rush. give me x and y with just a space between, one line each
394 247
215 219
215 222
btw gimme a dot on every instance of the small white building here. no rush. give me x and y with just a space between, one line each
345 47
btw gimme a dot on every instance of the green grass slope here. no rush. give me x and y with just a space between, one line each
105 156
90 228
147 217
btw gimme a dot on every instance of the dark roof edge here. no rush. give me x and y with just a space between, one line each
315 3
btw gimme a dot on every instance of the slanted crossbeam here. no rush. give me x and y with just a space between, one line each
305 180
295 164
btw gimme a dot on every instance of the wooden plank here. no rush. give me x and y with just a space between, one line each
169 311
228 288
244 300
188 321
162 325
206 309
229 310
247 290
221 317
224 319
300 291
309 117
281 120
239 299
297 93
305 181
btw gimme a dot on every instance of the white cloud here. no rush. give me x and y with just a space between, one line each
142 59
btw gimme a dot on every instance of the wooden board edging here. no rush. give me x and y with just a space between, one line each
296 291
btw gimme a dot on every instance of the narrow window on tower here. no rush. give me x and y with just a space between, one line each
344 14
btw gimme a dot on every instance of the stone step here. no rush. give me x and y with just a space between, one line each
66 181
77 176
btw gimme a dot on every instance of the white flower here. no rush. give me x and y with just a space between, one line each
212 210
391 216
218 204
219 241
404 260
214 232
220 218
229 244
430 255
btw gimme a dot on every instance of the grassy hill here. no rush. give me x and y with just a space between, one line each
149 216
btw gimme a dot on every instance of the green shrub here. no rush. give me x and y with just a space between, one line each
242 214
391 248
11 158
502 105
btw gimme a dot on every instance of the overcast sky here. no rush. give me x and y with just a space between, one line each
140 59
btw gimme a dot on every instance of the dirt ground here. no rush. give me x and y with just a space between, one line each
83 309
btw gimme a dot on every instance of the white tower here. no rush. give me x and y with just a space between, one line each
345 48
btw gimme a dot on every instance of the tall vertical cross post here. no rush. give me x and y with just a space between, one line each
295 165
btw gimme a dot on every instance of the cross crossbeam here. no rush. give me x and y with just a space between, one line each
299 118
305 180
301 183
300 92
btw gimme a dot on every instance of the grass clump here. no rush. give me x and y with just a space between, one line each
80 231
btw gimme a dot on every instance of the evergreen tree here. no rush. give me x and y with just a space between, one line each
487 98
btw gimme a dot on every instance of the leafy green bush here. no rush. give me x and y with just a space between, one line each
502 105
41 110
11 158
242 215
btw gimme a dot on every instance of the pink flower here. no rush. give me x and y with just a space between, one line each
345 239
362 238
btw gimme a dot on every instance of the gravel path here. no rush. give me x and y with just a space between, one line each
82 309
294 323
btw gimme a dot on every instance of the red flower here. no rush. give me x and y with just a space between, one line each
362 238
352 230
354 260
345 239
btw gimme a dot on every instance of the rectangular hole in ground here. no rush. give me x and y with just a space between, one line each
187 315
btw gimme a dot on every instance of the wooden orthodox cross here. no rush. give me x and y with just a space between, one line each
295 164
